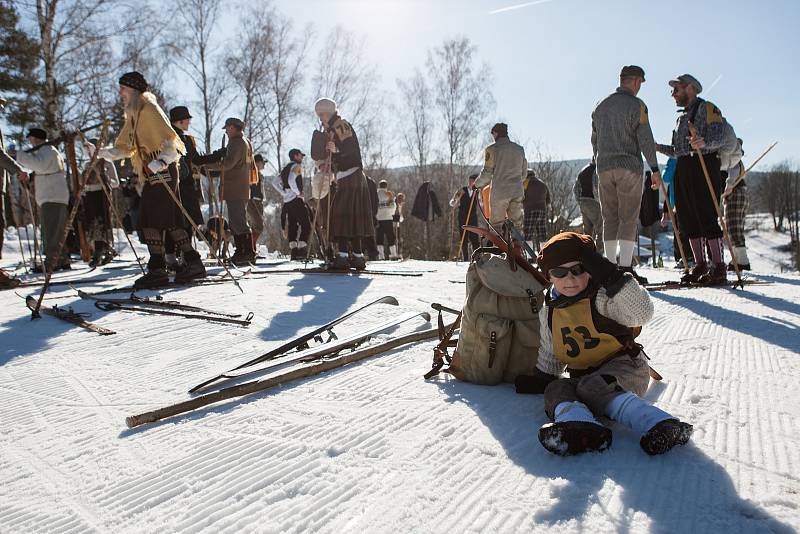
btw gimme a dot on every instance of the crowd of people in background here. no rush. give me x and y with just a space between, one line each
348 219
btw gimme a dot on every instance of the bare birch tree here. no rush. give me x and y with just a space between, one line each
248 65
462 94
77 52
417 127
200 61
282 87
343 74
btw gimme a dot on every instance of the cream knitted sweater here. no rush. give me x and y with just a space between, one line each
631 306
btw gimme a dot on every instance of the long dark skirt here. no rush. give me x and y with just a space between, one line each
351 212
190 198
98 216
693 202
158 209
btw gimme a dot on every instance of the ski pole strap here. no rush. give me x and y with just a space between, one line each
492 347
440 353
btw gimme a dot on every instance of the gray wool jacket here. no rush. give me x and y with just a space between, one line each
505 167
621 133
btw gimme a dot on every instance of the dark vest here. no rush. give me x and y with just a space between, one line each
585 181
463 208
285 177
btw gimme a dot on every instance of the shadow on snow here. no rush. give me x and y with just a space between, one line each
681 491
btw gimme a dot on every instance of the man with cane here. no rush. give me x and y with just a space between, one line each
698 136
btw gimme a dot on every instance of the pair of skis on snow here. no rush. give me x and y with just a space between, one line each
134 303
315 360
675 284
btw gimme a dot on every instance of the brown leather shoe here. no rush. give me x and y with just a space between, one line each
693 276
716 276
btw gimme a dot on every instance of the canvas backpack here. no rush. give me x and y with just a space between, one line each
499 337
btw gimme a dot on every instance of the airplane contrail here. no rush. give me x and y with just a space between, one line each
517 6
713 84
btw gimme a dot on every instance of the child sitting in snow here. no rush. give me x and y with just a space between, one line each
594 311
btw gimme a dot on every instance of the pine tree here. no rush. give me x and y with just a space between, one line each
19 60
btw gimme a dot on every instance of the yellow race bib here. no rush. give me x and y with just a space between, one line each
576 340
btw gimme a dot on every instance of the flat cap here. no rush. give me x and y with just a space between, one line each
686 79
234 121
632 70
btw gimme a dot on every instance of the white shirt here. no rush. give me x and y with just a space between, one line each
50 181
293 192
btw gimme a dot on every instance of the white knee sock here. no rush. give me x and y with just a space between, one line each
626 253
741 255
574 411
635 413
611 250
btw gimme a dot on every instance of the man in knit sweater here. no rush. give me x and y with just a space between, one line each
620 135
52 195
505 167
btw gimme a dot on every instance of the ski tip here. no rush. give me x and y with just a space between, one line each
426 316
390 300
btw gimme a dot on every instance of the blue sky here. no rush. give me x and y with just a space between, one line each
552 60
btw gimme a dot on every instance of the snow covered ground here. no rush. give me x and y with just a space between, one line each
373 447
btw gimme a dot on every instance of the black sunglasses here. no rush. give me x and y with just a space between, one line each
561 272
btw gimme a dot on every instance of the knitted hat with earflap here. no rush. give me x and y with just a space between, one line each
563 248
325 105
134 80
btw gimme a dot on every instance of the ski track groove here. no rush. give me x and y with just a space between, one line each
373 447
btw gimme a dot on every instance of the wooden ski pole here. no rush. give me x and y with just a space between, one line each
313 231
221 227
674 225
48 270
114 212
740 178
69 145
194 229
22 250
464 230
260 385
34 223
326 174
713 194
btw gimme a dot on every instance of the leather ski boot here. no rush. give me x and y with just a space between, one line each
716 276
693 276
244 254
574 437
156 275
6 282
358 262
340 263
194 268
666 435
